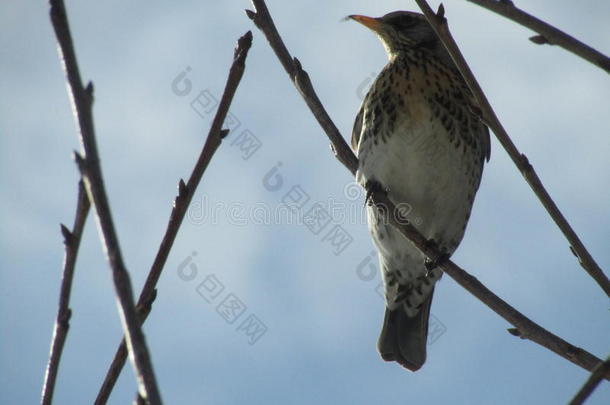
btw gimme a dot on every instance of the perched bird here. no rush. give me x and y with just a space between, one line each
418 138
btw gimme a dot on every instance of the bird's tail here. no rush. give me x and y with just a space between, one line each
403 338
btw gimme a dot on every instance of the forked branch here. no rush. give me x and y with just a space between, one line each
592 382
62 323
89 165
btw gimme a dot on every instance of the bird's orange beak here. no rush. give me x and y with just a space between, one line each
369 22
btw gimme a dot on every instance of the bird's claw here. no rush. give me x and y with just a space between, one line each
440 260
371 187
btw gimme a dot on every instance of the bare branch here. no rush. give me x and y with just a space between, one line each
527 328
181 203
62 322
89 166
439 23
547 33
592 382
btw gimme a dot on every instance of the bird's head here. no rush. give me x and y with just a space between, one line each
403 30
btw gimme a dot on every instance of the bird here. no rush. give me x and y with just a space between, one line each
419 138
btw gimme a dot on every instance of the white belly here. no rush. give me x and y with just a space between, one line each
426 176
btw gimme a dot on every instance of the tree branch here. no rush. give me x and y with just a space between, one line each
526 328
62 323
592 382
181 203
547 33
89 166
439 23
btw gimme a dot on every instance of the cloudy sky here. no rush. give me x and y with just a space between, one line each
316 303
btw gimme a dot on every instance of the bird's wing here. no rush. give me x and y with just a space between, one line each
487 142
475 111
476 116
358 128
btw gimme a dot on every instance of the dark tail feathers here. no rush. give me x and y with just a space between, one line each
403 339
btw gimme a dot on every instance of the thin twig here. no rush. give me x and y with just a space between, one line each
181 203
89 166
439 23
592 382
526 328
62 323
547 33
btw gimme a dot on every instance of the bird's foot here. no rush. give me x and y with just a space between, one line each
440 260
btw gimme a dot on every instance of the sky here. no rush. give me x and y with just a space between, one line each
306 312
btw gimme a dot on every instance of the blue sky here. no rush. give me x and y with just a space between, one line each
322 314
